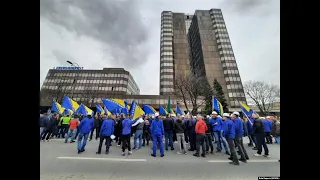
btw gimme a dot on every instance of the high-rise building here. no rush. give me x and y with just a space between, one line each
174 53
199 44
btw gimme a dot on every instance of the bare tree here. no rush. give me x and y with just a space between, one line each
262 94
89 94
60 91
192 89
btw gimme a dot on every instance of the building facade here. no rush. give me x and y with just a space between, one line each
87 85
174 49
199 44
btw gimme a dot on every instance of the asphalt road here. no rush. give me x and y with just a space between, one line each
60 161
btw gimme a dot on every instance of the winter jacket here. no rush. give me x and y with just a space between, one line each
179 126
107 128
275 129
167 124
85 125
201 127
157 128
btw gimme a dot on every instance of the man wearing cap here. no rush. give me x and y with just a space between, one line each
239 134
85 127
229 133
258 130
157 132
217 127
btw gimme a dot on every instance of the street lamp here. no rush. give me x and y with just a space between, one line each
74 80
73 64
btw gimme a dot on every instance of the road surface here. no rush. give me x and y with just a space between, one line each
60 161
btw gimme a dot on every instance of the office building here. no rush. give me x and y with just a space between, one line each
199 44
87 86
174 53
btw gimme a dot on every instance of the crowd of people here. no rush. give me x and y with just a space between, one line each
196 131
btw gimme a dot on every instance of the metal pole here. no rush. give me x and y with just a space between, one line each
74 80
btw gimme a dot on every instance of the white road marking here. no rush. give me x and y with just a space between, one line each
104 159
254 160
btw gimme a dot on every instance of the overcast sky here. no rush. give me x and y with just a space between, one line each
126 33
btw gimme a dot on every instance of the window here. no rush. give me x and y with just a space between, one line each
230 95
166 76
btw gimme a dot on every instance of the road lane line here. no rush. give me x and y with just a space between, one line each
254 160
104 159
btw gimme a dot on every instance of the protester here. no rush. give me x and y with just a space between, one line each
146 131
43 123
85 127
80 119
168 132
126 134
186 134
106 130
275 130
217 127
96 126
64 125
252 140
179 128
267 129
208 138
51 125
119 129
191 124
229 133
239 133
139 124
157 131
73 124
200 130
258 130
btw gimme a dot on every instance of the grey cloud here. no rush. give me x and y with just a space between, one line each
62 57
116 24
247 7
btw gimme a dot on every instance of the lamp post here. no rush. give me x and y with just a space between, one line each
74 80
73 64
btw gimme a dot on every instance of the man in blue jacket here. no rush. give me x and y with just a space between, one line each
157 131
267 129
229 133
126 134
106 130
217 127
252 140
85 127
191 125
238 138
